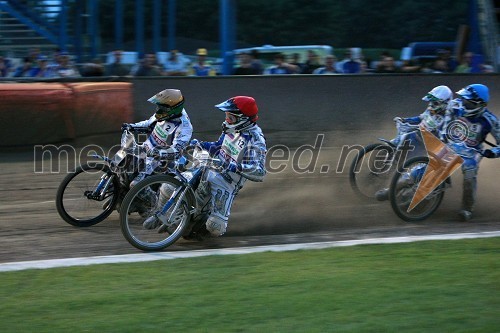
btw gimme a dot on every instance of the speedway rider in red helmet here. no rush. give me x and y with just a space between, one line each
242 148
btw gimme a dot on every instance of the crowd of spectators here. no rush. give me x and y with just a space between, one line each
38 65
60 65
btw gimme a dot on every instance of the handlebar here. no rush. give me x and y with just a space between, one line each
137 130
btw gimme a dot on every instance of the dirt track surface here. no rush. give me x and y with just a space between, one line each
289 207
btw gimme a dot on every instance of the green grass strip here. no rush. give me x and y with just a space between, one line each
431 286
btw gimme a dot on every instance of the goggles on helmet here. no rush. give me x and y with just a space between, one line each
232 118
470 104
163 111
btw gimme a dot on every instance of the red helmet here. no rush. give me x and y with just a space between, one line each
241 113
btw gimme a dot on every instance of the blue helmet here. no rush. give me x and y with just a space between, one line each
474 97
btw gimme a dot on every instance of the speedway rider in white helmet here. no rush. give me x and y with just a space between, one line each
469 121
434 115
432 119
171 130
242 148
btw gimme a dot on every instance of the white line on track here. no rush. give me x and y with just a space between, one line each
142 257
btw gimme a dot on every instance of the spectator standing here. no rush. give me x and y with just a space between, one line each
444 56
64 67
351 66
329 68
387 65
5 67
201 67
465 65
41 69
148 66
24 69
311 63
245 67
116 68
440 66
295 60
256 62
281 67
175 65
348 64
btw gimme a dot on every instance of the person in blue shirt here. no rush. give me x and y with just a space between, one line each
201 67
281 67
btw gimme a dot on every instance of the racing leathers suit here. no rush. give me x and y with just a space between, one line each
432 122
243 155
168 137
472 131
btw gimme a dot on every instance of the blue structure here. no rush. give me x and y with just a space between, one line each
80 33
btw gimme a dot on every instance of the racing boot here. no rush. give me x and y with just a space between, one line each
404 180
151 222
468 198
382 195
465 215
138 178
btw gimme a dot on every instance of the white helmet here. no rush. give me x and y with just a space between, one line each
438 99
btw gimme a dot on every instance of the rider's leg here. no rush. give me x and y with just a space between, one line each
223 192
150 165
406 178
469 169
155 220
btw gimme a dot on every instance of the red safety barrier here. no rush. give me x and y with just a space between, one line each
101 107
44 113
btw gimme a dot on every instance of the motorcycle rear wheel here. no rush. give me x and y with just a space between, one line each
371 169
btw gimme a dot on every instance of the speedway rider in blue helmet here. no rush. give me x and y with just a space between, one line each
469 121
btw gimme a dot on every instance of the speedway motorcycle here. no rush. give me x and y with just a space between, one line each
409 177
90 193
170 197
374 165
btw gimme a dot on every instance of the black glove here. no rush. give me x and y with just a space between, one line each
127 127
488 153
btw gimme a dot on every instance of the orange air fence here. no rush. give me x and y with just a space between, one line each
45 113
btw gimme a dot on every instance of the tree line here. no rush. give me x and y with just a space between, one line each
341 23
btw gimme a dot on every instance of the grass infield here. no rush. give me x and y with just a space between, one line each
429 286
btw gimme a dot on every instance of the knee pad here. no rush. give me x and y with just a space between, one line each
166 190
216 225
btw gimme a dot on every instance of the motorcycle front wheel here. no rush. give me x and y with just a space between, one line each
403 187
147 199
78 198
371 169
